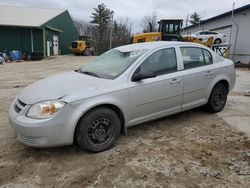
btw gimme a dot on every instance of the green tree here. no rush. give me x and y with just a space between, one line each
101 18
195 18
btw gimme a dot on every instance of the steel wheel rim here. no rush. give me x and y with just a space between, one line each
219 98
100 131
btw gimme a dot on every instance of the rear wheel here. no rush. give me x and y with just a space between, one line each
218 98
217 41
98 130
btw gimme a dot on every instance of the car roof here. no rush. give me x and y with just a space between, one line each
154 45
206 31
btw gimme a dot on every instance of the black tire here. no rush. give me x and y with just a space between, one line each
217 41
217 99
98 130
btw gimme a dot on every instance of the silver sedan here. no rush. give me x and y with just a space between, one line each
123 87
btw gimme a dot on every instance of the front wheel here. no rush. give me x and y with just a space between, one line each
98 130
218 98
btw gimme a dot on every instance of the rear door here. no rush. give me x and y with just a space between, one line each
155 97
197 74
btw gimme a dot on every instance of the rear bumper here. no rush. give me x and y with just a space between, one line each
55 131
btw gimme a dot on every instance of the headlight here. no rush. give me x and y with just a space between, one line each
44 109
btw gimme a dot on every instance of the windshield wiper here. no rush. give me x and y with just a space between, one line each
89 73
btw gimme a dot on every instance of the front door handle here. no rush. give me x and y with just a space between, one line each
209 73
175 81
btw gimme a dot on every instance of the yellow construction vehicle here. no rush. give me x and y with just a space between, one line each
83 46
208 42
169 30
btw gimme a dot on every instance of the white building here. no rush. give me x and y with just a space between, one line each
236 28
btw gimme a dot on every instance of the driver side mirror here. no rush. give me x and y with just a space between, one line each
142 74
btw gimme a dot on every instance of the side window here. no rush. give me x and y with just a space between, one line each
208 57
192 57
213 33
161 62
195 57
171 28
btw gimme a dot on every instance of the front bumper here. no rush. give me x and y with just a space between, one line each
54 131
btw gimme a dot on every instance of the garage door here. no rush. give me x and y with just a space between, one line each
226 31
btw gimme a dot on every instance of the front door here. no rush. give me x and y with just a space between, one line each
159 96
55 44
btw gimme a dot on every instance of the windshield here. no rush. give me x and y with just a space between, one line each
74 45
112 63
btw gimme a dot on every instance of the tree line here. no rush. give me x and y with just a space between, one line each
101 26
107 32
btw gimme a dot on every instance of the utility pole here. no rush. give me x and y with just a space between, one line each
111 30
186 21
232 17
236 33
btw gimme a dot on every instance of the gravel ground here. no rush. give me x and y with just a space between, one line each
190 149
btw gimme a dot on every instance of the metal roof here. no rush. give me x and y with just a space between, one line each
229 13
26 16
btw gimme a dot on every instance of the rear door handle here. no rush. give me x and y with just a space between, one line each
175 81
209 73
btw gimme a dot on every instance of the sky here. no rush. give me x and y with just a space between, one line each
135 10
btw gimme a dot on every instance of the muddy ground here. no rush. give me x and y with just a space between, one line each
190 149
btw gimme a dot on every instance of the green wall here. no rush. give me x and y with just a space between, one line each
37 40
19 38
69 32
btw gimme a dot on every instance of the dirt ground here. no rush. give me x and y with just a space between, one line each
190 149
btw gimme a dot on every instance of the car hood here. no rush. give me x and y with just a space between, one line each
59 86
